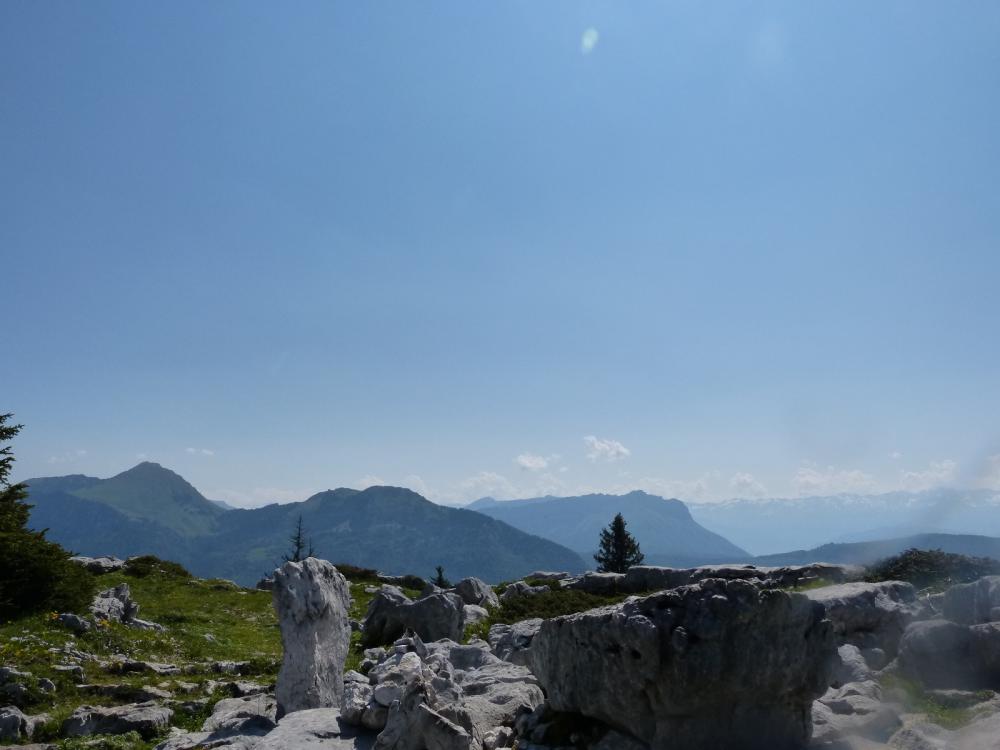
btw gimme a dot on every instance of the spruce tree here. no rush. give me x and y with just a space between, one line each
301 549
35 574
619 550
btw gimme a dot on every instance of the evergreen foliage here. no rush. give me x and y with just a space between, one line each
619 550
439 579
932 568
35 574
301 548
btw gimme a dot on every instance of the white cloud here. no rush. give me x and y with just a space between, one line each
588 40
199 451
487 483
745 485
936 474
531 462
141 456
605 449
895 455
370 480
813 480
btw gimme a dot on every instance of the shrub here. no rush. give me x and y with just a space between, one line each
932 568
146 565
35 574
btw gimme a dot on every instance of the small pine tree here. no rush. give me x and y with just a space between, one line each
439 580
619 550
301 548
35 574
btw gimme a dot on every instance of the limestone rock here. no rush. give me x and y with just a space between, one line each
972 603
250 715
511 642
474 615
391 613
519 588
74 622
312 600
853 710
115 605
869 615
716 664
599 583
319 728
99 565
148 719
944 654
546 575
16 725
477 592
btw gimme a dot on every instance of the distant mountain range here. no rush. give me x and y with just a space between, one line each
151 510
865 553
765 525
665 530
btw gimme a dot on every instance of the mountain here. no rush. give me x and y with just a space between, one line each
864 553
765 525
151 510
665 530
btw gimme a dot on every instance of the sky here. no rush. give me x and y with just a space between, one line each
513 248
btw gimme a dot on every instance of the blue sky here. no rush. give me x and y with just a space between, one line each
504 248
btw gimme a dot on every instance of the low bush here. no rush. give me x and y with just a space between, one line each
145 565
932 569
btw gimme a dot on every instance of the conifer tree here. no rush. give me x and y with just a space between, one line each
35 574
618 550
301 548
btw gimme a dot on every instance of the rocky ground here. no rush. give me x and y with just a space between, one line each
655 659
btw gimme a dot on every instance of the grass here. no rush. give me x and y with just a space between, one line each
917 700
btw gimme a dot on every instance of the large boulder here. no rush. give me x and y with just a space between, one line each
944 654
320 728
644 578
440 695
511 642
312 601
605 584
391 613
716 664
519 589
475 591
869 615
148 719
973 603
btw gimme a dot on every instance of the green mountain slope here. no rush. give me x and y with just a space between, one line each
150 492
152 510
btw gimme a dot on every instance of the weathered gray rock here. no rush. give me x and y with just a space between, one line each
312 600
250 715
645 578
99 565
320 728
115 605
440 694
869 615
127 692
474 615
944 654
74 622
546 575
599 583
391 613
972 603
511 642
716 664
849 665
16 725
855 710
148 719
477 592
519 588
